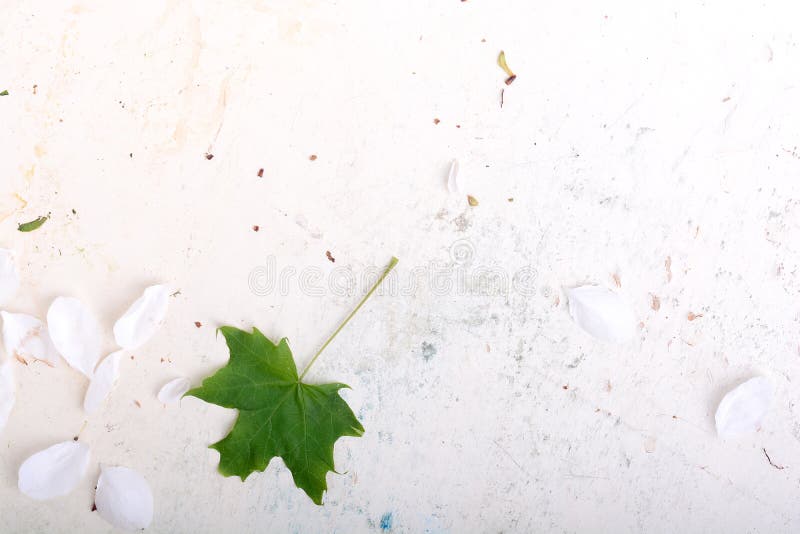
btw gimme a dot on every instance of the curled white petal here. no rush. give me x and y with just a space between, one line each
602 313
7 393
143 318
743 409
9 276
54 471
124 498
453 181
103 381
75 333
173 390
26 336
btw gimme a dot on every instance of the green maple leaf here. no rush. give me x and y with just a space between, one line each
279 414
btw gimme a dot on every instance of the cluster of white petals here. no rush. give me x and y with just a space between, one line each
123 496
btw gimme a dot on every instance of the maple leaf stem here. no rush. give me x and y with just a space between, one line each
386 272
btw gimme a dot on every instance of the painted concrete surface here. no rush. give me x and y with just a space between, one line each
650 147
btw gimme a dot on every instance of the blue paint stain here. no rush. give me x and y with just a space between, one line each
386 522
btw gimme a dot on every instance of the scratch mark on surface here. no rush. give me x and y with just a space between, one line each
511 457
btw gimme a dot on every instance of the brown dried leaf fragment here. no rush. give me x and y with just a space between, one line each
501 60
260 173
256 228
198 324
436 121
330 256
313 157
20 359
209 155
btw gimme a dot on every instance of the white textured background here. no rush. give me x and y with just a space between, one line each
634 132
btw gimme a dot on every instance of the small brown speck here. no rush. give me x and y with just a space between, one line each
20 359
34 88
655 302
260 173
692 316
330 256
458 126
436 121
511 199
162 360
726 99
313 157
94 507
511 79
75 438
131 356
137 403
209 155
565 387
198 324
472 201
256 228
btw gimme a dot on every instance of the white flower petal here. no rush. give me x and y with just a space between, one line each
124 498
143 318
743 409
54 471
26 336
7 393
602 313
103 381
453 182
9 276
173 390
75 333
